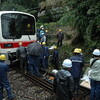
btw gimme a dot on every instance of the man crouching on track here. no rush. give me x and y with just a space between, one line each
63 82
4 83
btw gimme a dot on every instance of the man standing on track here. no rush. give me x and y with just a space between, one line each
4 83
63 82
76 69
21 54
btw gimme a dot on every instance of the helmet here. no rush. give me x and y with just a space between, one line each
46 30
96 52
55 47
67 63
60 30
20 43
41 26
80 50
43 43
77 50
54 71
2 57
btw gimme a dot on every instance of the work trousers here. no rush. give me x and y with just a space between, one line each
95 90
45 62
59 43
34 65
5 84
23 64
76 84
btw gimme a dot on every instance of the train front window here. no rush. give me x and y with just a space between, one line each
15 25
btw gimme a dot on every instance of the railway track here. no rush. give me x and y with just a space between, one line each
40 81
27 87
84 93
43 82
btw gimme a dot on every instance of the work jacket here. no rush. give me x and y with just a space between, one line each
63 85
21 52
95 72
77 64
4 68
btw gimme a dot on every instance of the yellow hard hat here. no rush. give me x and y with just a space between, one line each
77 50
43 43
60 30
55 47
20 43
80 50
46 30
2 57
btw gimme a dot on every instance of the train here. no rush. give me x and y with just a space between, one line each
16 27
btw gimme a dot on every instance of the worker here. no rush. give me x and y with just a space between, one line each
43 38
4 82
60 37
45 55
63 82
21 55
41 33
55 58
95 75
76 69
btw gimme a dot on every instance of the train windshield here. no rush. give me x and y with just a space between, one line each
15 25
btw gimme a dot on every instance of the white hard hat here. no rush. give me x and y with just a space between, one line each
41 26
67 63
96 52
54 71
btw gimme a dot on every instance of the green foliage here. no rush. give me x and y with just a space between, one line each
6 6
84 15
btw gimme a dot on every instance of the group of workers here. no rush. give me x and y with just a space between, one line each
66 82
32 63
42 35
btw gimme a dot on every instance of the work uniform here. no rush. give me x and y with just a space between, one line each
60 37
95 79
4 83
43 39
55 58
76 70
21 54
45 57
34 65
63 85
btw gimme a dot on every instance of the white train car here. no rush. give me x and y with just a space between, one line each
15 27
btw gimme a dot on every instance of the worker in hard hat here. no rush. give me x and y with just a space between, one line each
41 33
63 82
60 37
76 70
95 75
43 38
55 58
21 54
4 83
44 56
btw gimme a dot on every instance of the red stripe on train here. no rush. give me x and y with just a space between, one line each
14 44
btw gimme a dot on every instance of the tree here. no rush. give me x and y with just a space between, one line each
84 15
